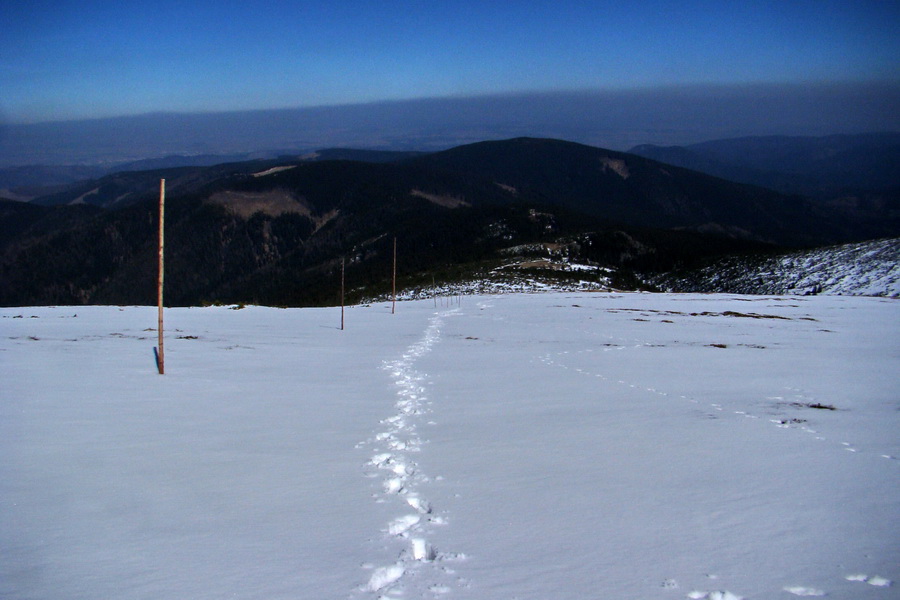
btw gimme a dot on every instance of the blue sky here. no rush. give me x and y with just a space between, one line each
84 59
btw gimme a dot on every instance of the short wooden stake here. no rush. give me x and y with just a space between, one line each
160 353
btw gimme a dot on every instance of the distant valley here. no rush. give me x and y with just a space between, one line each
274 231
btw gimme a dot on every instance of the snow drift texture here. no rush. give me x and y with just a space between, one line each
532 447
862 269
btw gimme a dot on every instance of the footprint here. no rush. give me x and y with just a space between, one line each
403 524
400 445
394 485
423 506
799 590
380 460
401 469
876 580
385 576
422 550
719 595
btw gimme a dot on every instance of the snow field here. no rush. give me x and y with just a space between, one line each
558 445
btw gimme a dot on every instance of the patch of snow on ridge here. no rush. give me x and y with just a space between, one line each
617 165
864 269
274 170
861 269
502 282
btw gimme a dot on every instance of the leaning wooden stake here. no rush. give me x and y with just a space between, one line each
394 280
342 294
160 356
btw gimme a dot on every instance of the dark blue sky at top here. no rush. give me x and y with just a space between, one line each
65 59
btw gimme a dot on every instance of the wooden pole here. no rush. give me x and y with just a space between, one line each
394 280
160 357
342 293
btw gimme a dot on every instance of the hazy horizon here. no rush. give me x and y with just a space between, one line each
617 120
100 81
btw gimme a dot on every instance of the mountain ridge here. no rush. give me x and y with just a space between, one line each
860 269
812 166
600 182
275 231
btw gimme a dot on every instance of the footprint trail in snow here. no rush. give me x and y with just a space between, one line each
798 397
418 563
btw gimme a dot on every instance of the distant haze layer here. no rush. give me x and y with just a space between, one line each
611 119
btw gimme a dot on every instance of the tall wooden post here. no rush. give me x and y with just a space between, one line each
342 293
160 357
394 280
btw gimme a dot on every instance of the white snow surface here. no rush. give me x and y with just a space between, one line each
561 445
860 269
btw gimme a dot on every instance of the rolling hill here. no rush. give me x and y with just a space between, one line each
854 177
861 269
812 166
275 231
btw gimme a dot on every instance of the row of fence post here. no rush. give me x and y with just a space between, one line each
160 348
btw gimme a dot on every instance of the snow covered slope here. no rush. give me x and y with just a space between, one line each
862 269
567 445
